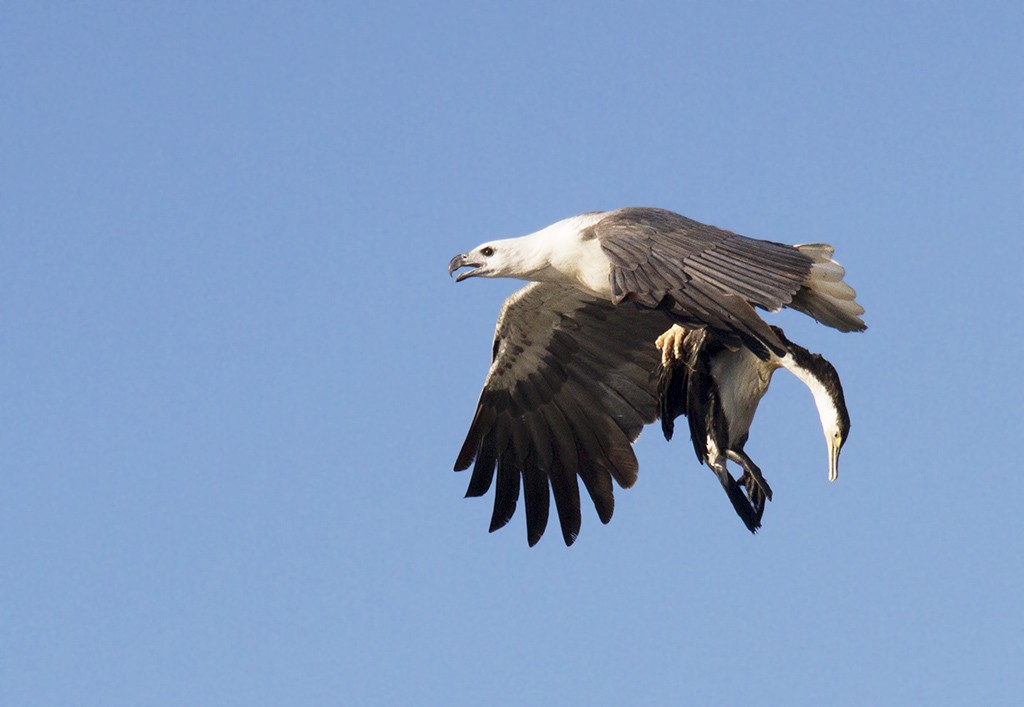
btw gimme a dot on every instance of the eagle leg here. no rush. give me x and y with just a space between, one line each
671 345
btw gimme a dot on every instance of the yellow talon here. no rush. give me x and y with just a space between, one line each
671 344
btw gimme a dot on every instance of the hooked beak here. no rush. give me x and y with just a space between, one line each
833 460
462 261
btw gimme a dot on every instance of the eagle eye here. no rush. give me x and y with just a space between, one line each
487 252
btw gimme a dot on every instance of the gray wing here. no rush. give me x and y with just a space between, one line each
704 276
570 388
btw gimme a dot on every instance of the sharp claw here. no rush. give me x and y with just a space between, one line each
671 345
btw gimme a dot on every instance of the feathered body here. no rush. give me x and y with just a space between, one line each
571 385
718 389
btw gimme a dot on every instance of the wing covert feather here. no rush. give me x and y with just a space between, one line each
702 275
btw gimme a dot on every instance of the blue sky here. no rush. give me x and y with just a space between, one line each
235 374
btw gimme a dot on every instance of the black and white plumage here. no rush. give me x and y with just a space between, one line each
569 390
571 381
719 387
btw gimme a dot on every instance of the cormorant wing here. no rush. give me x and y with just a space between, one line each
686 387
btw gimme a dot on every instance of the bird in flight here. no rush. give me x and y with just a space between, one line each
572 379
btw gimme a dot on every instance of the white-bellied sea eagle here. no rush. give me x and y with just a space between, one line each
572 381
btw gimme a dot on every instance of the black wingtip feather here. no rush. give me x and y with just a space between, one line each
506 491
537 496
483 469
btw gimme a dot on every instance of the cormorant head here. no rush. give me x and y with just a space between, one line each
835 422
835 438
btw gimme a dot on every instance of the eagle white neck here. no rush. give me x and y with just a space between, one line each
560 253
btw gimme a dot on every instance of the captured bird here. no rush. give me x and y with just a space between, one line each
718 388
572 384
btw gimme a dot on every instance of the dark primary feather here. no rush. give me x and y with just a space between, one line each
569 390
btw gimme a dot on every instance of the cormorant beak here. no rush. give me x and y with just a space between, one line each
833 460
462 261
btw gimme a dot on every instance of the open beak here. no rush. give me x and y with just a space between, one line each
833 461
462 261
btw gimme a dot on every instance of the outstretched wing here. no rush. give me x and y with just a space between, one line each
570 388
704 276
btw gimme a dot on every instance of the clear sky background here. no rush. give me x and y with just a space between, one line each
234 373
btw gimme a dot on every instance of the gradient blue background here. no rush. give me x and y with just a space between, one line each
234 374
